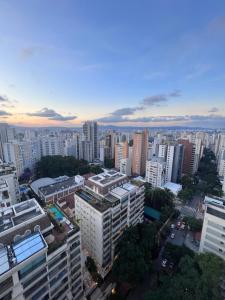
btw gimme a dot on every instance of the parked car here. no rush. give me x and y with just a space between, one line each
164 263
172 226
172 235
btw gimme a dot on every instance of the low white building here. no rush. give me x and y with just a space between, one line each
213 231
175 188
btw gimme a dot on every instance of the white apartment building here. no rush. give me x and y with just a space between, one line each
169 162
125 166
22 154
213 231
162 151
37 260
52 146
155 172
5 199
103 218
221 163
9 174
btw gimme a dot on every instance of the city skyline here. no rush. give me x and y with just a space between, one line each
124 64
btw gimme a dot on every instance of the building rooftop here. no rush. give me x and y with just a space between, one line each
13 254
173 187
96 201
107 177
19 213
6 168
48 186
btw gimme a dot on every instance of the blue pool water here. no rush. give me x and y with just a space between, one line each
57 213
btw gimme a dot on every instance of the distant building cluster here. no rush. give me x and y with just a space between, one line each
45 241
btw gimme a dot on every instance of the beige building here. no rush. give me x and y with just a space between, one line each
140 148
121 152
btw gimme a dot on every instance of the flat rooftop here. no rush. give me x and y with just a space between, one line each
99 203
58 186
13 254
19 213
107 177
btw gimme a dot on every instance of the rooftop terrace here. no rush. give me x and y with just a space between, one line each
98 202
17 252
18 214
107 177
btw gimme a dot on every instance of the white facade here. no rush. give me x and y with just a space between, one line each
34 264
169 162
9 174
22 154
102 220
51 146
125 166
213 231
155 172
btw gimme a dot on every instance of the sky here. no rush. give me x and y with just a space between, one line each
139 63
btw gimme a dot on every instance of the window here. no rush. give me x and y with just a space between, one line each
32 266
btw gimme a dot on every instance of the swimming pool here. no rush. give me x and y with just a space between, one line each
57 214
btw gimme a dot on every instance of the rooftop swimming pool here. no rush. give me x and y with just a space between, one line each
57 213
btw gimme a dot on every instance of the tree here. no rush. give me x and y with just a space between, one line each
197 278
194 224
54 166
185 195
135 253
109 163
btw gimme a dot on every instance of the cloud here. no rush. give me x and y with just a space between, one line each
4 113
198 71
194 120
120 115
154 100
213 110
51 114
175 93
4 98
126 111
28 52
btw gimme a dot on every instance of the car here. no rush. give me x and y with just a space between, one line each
182 226
164 263
172 226
172 236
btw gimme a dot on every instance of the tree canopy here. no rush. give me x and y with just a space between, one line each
197 278
135 254
159 199
54 166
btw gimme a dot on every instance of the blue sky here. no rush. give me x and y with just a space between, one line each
142 63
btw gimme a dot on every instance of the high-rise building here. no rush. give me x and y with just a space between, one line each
189 155
90 135
213 231
125 166
169 162
139 155
52 146
156 172
121 152
40 255
177 163
3 137
22 154
105 213
8 173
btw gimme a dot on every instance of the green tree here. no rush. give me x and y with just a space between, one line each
194 224
135 252
197 278
109 163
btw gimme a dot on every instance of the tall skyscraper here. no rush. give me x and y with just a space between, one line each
140 148
177 163
189 154
90 135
